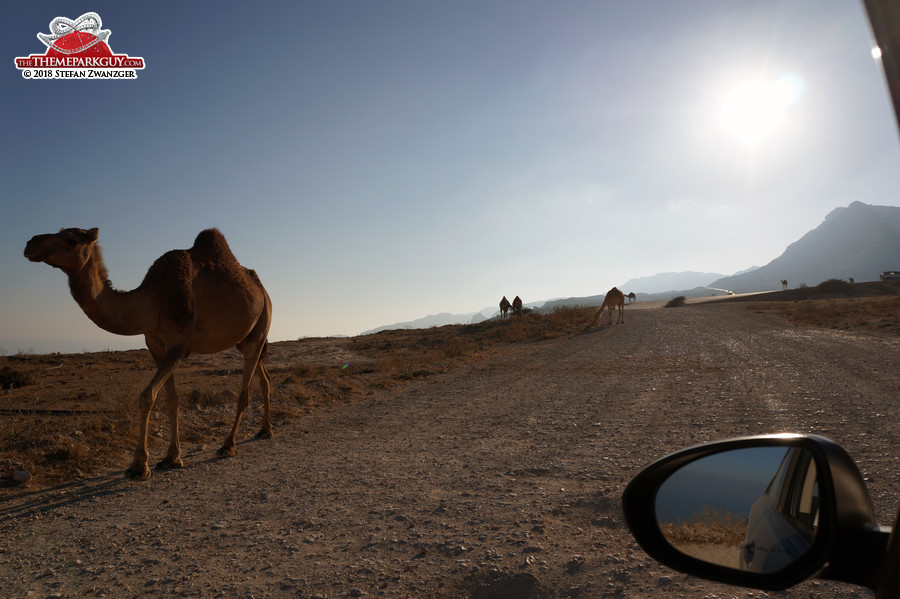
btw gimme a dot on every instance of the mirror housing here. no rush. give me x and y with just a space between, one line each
848 546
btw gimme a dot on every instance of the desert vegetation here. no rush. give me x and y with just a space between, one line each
66 416
12 379
714 534
830 305
711 526
676 302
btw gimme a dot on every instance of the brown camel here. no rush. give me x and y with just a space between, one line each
504 307
783 285
517 305
631 297
614 299
190 301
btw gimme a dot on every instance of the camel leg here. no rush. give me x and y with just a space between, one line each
252 353
167 364
263 376
173 456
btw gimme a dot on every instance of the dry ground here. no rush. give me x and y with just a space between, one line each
480 461
76 415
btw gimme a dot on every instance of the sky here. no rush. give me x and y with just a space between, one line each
376 162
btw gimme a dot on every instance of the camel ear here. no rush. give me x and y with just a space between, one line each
93 234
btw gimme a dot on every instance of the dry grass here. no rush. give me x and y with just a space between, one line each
676 302
75 415
11 378
710 527
865 313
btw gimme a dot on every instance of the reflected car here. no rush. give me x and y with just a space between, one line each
782 523
890 275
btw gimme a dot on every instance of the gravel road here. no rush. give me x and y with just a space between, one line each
501 478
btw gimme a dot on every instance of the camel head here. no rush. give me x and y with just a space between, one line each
69 250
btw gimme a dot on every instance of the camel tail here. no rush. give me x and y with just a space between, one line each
265 352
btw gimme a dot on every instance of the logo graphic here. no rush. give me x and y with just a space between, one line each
78 50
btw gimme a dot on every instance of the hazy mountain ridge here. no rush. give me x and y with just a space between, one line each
859 241
667 281
426 322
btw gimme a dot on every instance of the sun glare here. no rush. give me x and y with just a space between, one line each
757 109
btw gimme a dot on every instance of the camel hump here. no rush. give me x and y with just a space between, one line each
212 254
211 251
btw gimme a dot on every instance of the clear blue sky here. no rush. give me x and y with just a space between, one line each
379 161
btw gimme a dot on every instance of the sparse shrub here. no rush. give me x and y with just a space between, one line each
513 332
12 379
563 316
676 302
387 365
307 371
66 450
709 527
834 286
456 347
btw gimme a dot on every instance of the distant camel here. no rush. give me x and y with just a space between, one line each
504 307
199 300
631 297
614 299
517 305
783 285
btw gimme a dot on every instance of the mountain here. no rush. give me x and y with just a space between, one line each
445 318
597 300
426 322
741 272
667 281
592 300
858 241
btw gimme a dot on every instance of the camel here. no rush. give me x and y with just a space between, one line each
517 305
199 300
614 299
504 307
631 297
783 285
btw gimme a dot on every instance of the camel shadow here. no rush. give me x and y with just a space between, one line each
591 329
112 484
45 500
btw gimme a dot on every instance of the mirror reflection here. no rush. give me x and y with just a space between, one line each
754 509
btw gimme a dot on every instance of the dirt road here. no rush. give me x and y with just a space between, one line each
499 479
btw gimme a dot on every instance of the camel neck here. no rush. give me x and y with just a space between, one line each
114 311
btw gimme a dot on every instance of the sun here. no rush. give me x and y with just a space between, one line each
757 109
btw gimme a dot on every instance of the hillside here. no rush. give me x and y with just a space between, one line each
858 241
667 281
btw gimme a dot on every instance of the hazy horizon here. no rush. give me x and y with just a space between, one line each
377 162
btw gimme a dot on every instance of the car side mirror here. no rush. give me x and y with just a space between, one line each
765 512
